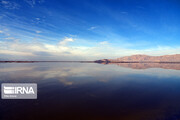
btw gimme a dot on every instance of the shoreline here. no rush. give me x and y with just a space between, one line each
85 62
44 61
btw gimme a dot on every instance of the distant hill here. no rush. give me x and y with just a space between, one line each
142 59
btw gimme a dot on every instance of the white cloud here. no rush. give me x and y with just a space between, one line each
32 3
37 18
10 38
63 51
37 31
104 43
4 2
17 53
9 5
92 28
65 41
5 32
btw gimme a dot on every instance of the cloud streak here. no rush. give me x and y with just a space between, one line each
92 28
32 3
9 5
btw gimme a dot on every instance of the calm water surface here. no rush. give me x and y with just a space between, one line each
90 91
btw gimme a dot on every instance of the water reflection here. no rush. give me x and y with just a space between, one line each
94 91
173 66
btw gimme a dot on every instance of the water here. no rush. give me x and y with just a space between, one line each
90 91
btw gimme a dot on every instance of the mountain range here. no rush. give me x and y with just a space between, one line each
143 59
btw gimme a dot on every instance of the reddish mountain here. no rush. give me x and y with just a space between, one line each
143 58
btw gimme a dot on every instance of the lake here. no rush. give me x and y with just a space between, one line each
91 91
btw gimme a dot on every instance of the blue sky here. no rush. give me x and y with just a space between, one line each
88 29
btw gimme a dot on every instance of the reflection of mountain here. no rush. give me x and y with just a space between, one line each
143 59
148 65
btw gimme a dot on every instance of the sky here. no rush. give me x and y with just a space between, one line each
88 29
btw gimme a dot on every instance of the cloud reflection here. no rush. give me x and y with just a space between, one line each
78 73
